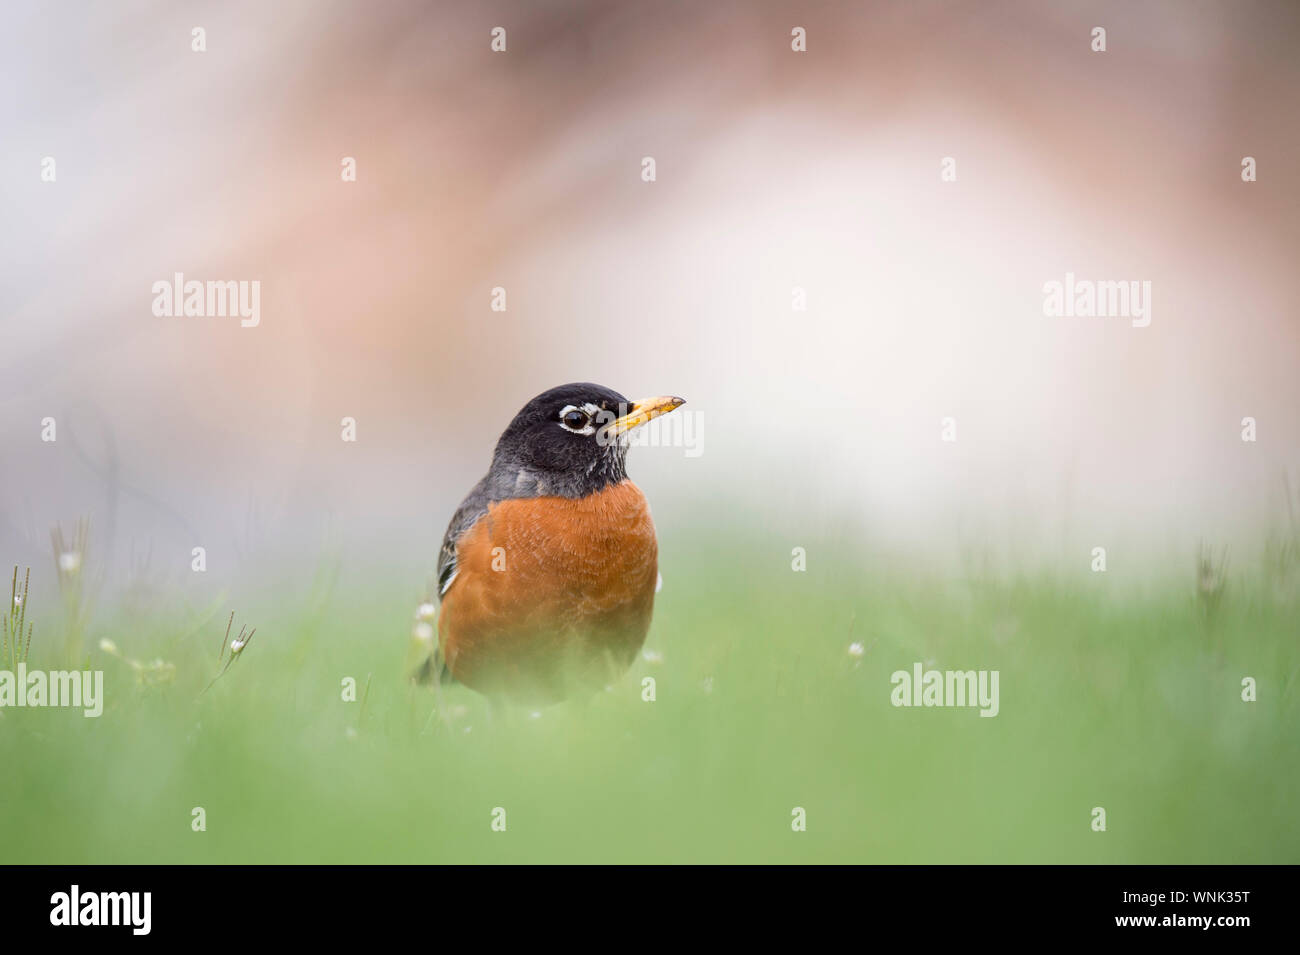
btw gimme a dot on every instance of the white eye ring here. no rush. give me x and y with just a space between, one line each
588 409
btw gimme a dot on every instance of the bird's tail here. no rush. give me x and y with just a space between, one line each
433 670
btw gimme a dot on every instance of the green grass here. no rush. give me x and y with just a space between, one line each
1131 702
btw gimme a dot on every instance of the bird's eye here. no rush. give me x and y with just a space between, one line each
575 419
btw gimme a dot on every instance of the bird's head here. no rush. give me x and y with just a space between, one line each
571 440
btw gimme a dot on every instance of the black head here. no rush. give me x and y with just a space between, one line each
569 441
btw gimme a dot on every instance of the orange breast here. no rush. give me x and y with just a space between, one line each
551 594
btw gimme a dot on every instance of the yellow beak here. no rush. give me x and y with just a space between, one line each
643 411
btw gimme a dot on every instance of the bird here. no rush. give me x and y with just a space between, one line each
548 569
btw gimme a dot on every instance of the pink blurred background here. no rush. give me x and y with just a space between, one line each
522 169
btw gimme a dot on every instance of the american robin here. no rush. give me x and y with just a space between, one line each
547 575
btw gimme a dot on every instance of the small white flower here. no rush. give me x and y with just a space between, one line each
108 646
18 601
423 632
70 562
425 612
236 646
856 649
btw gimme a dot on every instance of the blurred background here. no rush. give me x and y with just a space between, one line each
522 169
775 170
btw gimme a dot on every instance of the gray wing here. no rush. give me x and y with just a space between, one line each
433 670
471 509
